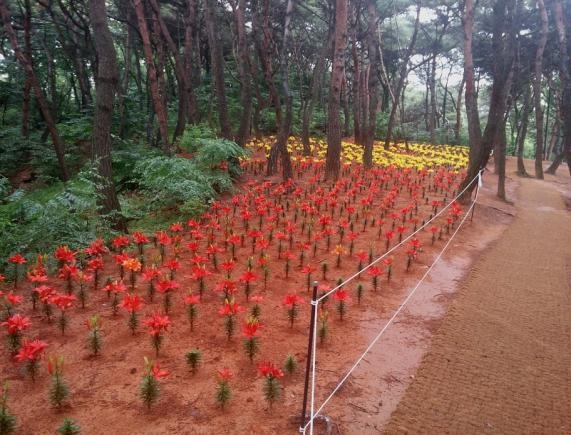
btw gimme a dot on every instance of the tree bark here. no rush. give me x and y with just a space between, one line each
538 73
28 82
280 147
217 64
263 38
124 88
26 64
458 126
105 86
189 32
432 91
562 26
153 76
243 65
356 88
522 133
315 90
402 77
179 72
333 155
478 156
372 49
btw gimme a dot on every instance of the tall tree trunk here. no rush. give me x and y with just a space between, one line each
458 126
559 158
26 64
403 70
478 156
333 155
356 89
372 49
124 88
432 90
280 147
153 76
105 87
28 82
363 99
243 65
345 105
538 73
503 52
178 70
315 90
562 27
263 38
217 64
522 132
555 132
189 32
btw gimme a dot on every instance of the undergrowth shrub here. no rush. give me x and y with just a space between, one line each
59 214
193 134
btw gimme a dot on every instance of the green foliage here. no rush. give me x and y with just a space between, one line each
213 152
5 187
169 181
290 365
60 214
193 359
59 391
69 427
125 156
190 140
223 393
149 390
7 420
272 390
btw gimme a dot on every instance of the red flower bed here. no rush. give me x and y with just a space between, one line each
247 266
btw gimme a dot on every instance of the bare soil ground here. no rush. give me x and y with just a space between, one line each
499 363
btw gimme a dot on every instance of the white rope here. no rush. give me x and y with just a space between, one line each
389 322
406 239
313 356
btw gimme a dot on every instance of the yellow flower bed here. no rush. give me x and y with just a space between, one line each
418 155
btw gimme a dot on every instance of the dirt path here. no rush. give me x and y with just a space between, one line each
501 361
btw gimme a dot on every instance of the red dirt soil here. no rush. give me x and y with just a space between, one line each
104 389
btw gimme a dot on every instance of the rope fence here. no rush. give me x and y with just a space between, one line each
316 301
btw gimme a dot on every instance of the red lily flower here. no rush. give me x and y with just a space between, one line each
64 255
31 350
95 263
97 247
225 374
139 238
63 302
17 259
14 299
191 299
121 242
293 299
162 238
230 308
131 303
157 372
270 370
157 323
342 295
16 323
176 227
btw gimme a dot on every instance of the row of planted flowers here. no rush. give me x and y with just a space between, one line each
226 261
